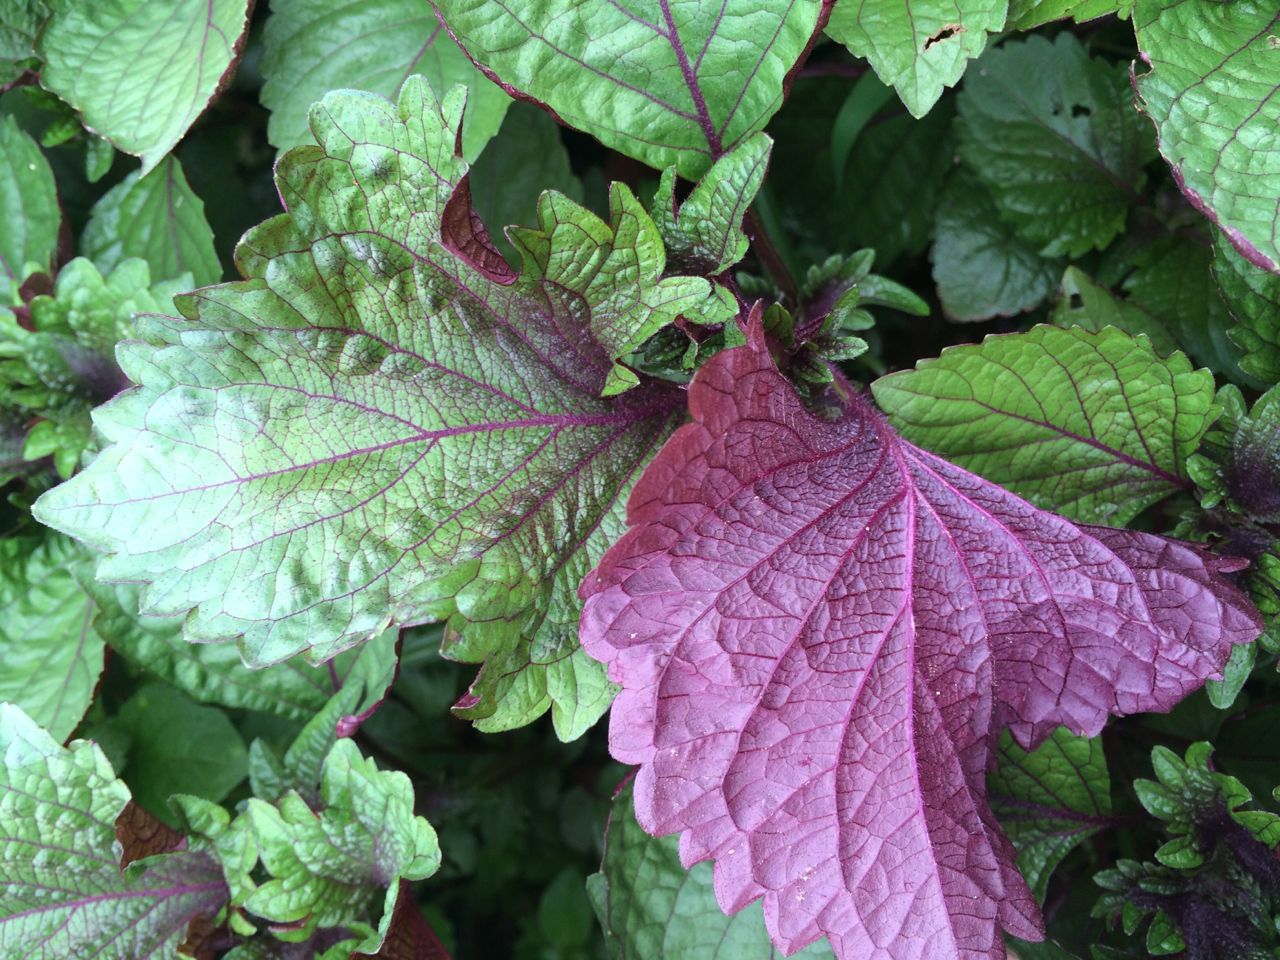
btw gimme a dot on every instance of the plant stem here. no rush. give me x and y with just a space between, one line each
765 249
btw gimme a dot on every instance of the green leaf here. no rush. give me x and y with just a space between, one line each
865 100
983 269
1050 800
919 47
1253 297
314 46
1211 93
29 213
324 866
705 234
65 364
1093 426
158 218
19 22
1028 14
459 460
214 673
178 746
651 907
1222 693
1093 307
141 71
299 770
50 654
62 892
1053 134
525 158
668 84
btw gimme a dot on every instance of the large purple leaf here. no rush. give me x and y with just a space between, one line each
820 630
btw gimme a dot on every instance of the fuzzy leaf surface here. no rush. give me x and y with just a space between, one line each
667 83
1053 134
314 46
1050 799
140 71
374 428
1211 93
820 631
650 906
919 47
63 893
1253 297
158 218
50 652
1094 426
29 213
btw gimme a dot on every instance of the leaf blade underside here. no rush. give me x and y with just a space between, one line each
819 629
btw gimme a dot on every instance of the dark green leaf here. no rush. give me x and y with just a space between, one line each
1253 297
29 214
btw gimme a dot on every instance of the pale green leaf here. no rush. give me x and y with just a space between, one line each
667 83
651 907
1050 799
1091 306
141 71
457 459
1095 426
50 653
983 269
1027 14
314 46
62 892
1211 92
29 213
919 47
158 218
1253 297
1053 134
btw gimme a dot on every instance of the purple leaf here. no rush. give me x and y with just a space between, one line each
820 630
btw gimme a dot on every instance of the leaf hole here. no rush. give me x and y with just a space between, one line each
1080 110
946 33
1075 302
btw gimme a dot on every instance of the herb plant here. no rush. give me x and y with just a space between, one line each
888 443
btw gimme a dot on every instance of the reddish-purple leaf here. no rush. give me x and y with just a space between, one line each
820 630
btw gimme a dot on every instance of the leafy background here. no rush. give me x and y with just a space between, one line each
1018 193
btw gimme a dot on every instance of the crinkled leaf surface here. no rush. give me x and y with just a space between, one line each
1026 14
1253 297
669 83
158 218
374 428
62 892
29 214
50 652
1053 134
314 46
1095 426
1211 92
324 866
983 269
704 234
820 629
141 71
651 907
1091 306
919 47
1050 799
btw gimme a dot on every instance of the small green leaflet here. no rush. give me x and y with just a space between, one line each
1094 426
651 907
314 46
1253 297
669 84
158 218
1211 92
141 71
1053 134
29 213
50 651
919 47
1050 800
62 891
983 269
405 430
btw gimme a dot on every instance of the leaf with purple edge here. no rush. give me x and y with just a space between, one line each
821 629
385 423
1253 297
